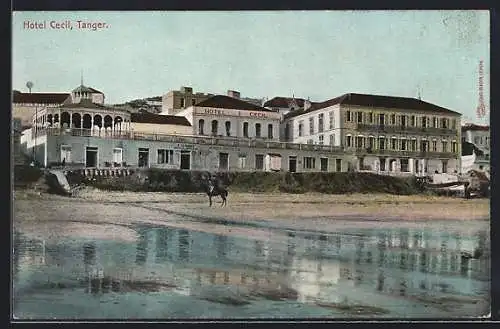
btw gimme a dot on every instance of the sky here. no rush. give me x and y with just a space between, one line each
308 54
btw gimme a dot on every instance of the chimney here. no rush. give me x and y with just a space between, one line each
233 94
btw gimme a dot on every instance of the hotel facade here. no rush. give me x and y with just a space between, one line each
382 133
389 135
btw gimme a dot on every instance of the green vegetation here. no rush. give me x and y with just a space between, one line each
25 175
159 180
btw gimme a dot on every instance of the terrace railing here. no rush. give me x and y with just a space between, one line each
405 129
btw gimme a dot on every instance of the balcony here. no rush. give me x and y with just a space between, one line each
402 154
406 129
191 140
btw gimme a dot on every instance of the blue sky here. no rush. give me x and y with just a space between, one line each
316 54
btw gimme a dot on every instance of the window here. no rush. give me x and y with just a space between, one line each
311 126
404 165
382 164
434 146
424 122
370 117
215 128
348 116
348 140
413 144
381 119
444 146
65 153
323 164
454 124
320 122
476 140
381 143
444 123
393 143
201 127
330 120
257 130
165 156
309 163
360 117
393 119
403 145
403 120
338 165
245 129
412 121
223 161
259 161
193 102
445 166
270 131
321 140
228 128
359 142
301 128
242 161
454 147
183 103
332 139
117 156
371 142
310 141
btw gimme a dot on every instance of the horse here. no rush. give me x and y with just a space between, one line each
214 189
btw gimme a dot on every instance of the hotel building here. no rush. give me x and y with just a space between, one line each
382 133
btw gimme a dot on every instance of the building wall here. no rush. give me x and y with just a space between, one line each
172 101
25 112
480 138
151 128
236 118
326 131
203 157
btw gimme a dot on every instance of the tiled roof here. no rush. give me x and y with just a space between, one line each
85 89
401 103
38 98
472 126
88 104
283 102
226 102
146 117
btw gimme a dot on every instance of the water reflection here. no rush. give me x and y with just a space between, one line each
398 264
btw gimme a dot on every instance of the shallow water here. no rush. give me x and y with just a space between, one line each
176 273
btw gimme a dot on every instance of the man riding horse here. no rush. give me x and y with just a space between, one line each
213 188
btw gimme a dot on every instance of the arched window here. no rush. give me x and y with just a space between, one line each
215 127
257 130
228 128
245 129
201 127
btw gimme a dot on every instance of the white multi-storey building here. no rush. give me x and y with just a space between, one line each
383 133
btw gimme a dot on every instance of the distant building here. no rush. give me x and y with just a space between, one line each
478 135
382 133
177 100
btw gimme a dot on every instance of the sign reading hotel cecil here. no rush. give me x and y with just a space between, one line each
237 113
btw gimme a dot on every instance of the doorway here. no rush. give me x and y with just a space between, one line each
91 157
143 157
186 160
223 161
292 163
324 164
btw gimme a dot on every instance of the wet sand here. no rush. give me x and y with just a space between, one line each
52 216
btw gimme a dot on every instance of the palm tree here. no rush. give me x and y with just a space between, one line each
29 84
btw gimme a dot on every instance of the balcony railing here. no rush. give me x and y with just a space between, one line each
405 129
401 153
193 140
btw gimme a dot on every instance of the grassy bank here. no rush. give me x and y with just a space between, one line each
155 180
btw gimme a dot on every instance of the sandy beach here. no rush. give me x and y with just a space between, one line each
55 215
